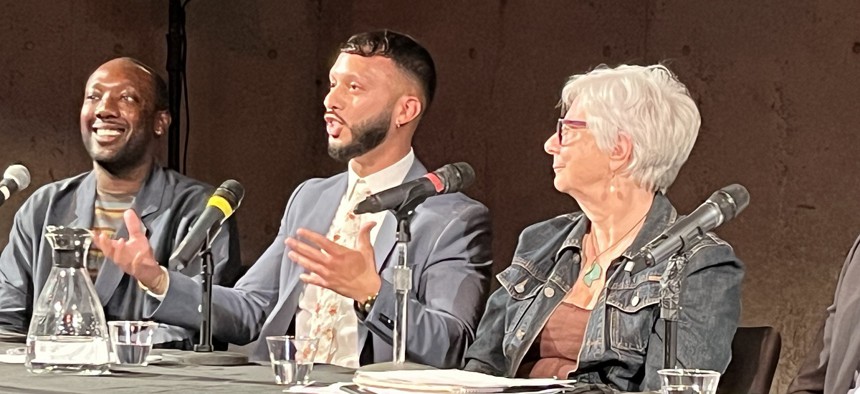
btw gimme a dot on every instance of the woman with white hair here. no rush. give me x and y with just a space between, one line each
565 309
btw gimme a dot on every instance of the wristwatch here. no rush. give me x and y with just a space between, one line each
363 309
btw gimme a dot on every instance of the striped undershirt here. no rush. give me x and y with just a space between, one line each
107 218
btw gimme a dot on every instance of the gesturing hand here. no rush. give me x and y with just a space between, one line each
348 272
134 256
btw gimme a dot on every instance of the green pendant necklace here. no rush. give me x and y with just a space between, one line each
593 274
595 271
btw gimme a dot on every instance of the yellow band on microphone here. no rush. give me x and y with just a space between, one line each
222 204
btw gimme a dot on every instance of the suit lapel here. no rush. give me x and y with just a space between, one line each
386 239
147 202
322 212
316 216
85 198
84 210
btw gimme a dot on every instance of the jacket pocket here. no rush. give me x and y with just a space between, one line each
632 313
522 285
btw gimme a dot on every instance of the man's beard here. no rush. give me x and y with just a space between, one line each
365 137
130 156
125 161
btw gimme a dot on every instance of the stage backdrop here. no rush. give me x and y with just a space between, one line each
777 84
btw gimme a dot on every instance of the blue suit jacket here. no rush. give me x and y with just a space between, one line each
449 255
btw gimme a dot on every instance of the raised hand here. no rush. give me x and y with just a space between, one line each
348 272
134 255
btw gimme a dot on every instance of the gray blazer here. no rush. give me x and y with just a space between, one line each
450 259
833 360
167 203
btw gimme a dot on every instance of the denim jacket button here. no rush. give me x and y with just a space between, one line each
634 301
521 287
521 334
548 292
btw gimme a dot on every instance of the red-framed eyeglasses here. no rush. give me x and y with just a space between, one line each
573 124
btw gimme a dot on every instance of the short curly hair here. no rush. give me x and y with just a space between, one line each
403 50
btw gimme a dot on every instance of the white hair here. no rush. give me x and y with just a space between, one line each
649 105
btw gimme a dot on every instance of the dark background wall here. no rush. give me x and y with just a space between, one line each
777 83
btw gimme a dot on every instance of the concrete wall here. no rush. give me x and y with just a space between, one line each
777 84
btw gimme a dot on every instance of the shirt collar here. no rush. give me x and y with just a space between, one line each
385 178
574 239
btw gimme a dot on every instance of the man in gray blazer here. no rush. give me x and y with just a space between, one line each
123 116
832 364
317 268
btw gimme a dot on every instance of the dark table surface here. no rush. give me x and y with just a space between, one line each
162 377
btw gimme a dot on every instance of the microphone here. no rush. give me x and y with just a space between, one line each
16 177
451 178
721 207
220 206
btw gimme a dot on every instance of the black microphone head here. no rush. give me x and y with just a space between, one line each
456 177
231 191
731 200
19 174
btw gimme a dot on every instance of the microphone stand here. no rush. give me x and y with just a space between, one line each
204 353
205 344
402 278
670 307
402 283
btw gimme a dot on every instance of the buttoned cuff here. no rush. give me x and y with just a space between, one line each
380 317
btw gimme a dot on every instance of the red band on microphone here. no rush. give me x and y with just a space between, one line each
437 183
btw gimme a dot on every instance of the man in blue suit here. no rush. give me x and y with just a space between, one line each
328 273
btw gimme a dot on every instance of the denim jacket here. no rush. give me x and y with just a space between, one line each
623 341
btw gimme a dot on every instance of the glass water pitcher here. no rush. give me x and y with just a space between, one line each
67 332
